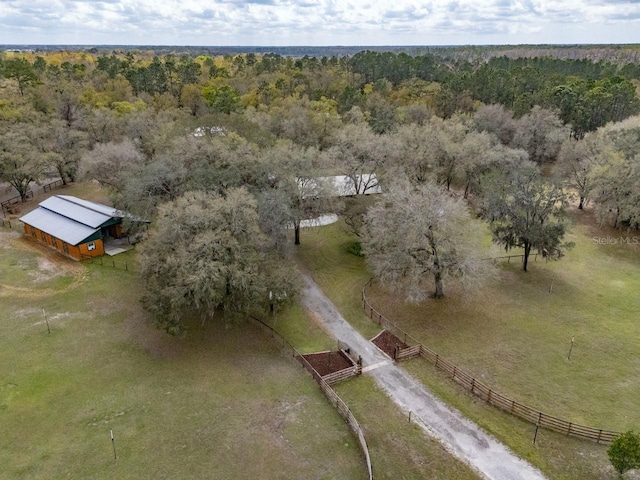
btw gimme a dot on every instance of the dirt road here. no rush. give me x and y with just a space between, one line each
461 437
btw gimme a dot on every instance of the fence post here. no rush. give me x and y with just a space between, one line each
473 384
599 436
454 372
489 397
437 357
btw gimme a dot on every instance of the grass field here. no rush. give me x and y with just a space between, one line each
515 336
399 450
219 403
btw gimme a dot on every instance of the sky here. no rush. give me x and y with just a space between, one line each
318 22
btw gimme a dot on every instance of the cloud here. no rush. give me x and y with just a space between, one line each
280 22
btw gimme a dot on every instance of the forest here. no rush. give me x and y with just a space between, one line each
225 152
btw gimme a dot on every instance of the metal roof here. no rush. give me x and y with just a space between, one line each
70 219
88 213
59 226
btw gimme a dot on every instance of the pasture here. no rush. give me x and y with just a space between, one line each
515 334
218 403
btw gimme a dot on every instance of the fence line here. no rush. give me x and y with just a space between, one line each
520 256
110 262
50 186
16 199
341 375
492 397
30 194
329 392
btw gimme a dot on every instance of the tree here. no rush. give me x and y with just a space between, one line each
208 254
575 162
526 212
382 117
359 154
624 452
110 164
149 185
416 233
541 134
497 120
21 162
66 146
191 99
20 70
224 99
295 174
615 181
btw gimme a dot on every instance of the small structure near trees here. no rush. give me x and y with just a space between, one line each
75 227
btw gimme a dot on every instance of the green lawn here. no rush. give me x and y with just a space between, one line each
219 403
399 449
515 336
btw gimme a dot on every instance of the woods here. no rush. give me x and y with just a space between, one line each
178 138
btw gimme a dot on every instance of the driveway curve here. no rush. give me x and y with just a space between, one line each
461 437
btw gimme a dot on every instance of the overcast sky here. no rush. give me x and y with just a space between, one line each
318 22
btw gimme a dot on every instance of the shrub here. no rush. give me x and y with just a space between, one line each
624 452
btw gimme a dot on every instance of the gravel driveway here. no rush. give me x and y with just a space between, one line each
461 437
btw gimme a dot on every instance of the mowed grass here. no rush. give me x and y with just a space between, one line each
515 334
399 449
218 403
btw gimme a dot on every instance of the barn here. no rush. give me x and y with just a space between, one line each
75 227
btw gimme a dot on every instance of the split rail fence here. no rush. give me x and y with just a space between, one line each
479 389
329 392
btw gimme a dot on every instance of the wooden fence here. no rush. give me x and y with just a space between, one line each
481 390
50 186
341 375
407 353
17 199
329 392
30 194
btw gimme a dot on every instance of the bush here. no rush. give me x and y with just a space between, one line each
355 248
624 452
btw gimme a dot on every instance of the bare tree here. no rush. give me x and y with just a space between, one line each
418 233
111 163
541 133
576 161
